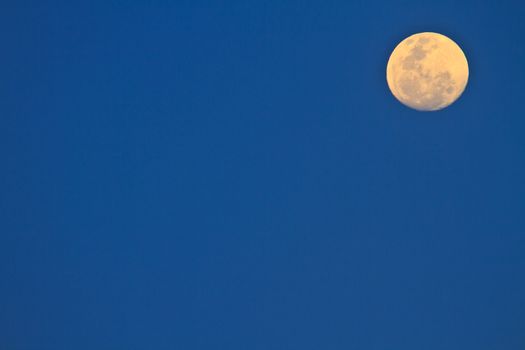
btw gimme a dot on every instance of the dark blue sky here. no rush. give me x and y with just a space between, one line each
236 175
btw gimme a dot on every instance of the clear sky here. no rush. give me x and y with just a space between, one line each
236 175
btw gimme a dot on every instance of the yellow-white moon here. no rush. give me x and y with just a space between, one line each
427 71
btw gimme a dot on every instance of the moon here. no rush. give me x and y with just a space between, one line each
427 71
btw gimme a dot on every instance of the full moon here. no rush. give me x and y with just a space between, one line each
427 71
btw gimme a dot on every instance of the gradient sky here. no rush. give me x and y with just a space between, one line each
236 175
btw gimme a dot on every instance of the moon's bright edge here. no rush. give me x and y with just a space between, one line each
427 71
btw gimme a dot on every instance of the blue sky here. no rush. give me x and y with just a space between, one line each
236 175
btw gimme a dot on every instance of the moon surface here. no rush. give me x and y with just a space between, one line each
427 71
